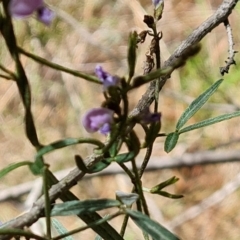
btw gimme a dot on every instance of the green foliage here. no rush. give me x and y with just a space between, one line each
60 228
171 141
197 104
154 229
172 138
122 144
12 167
80 207
210 121
158 189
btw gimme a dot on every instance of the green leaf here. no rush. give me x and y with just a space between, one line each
210 121
80 164
171 141
56 145
98 238
13 166
65 143
97 167
132 53
133 143
124 157
197 104
37 167
168 195
60 228
127 198
79 207
164 184
100 165
114 148
154 229
158 188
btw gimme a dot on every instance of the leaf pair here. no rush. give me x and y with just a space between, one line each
173 137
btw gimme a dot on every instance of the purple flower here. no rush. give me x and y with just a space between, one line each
107 79
146 117
98 119
24 8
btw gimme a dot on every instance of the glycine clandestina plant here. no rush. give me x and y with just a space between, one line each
113 119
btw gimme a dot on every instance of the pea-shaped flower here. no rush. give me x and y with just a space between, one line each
24 8
98 119
106 78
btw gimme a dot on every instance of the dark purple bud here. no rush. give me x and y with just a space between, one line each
146 117
98 119
107 79
45 15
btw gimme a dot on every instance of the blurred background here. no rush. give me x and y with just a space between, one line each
89 32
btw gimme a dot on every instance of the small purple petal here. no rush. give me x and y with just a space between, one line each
101 74
24 8
107 79
157 3
45 15
105 129
98 119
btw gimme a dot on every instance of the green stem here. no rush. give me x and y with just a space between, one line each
104 230
96 223
21 78
5 76
127 171
47 201
65 143
146 159
124 225
10 73
122 124
59 67
138 186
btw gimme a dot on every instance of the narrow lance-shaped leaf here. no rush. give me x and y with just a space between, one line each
124 157
164 184
154 229
98 238
168 195
60 228
210 121
197 104
171 141
80 207
65 143
13 166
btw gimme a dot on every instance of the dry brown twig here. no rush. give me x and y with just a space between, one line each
221 14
